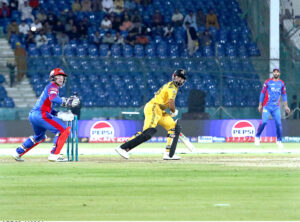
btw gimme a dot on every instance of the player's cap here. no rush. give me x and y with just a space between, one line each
276 69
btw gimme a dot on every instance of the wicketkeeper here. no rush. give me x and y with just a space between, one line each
42 118
155 114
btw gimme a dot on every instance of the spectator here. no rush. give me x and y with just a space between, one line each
4 11
86 6
20 55
212 20
108 39
107 6
136 17
157 18
129 5
26 12
142 39
34 4
294 107
130 39
191 39
36 26
97 38
23 28
3 1
86 22
41 39
82 29
12 28
177 18
69 25
62 39
119 6
191 18
63 16
51 18
168 31
21 4
200 18
29 38
41 16
47 28
116 23
13 4
119 39
96 5
70 15
126 24
58 29
106 23
73 34
76 7
11 65
205 38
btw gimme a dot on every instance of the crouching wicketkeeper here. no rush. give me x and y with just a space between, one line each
42 118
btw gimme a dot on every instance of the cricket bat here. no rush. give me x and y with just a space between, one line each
186 142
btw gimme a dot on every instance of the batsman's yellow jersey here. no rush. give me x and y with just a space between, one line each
155 109
164 94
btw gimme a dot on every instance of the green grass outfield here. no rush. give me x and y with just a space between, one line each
223 187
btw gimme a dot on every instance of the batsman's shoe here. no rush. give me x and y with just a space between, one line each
17 156
56 158
123 153
256 141
174 157
279 144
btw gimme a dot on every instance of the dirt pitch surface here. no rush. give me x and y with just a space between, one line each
289 161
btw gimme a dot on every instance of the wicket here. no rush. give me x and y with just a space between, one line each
72 142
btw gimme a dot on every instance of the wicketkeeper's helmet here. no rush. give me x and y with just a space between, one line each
56 72
181 73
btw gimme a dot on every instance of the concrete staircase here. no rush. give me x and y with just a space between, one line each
22 93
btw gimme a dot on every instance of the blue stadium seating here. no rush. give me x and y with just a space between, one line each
119 69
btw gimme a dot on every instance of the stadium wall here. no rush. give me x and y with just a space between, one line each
191 128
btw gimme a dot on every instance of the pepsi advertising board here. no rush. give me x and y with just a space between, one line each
108 131
238 128
120 130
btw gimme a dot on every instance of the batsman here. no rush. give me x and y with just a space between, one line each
43 117
155 113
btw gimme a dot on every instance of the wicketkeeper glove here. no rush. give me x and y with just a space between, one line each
72 101
65 116
175 113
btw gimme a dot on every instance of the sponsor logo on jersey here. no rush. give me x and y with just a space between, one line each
243 128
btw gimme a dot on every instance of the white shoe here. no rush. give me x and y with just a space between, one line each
123 153
17 157
279 144
257 141
174 157
56 158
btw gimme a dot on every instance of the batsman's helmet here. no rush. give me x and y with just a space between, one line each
56 72
181 73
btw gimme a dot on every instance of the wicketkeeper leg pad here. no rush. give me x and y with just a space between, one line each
143 137
33 141
62 139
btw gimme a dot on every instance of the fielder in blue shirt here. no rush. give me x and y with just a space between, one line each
269 101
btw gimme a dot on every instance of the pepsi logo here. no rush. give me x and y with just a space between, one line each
243 128
102 129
